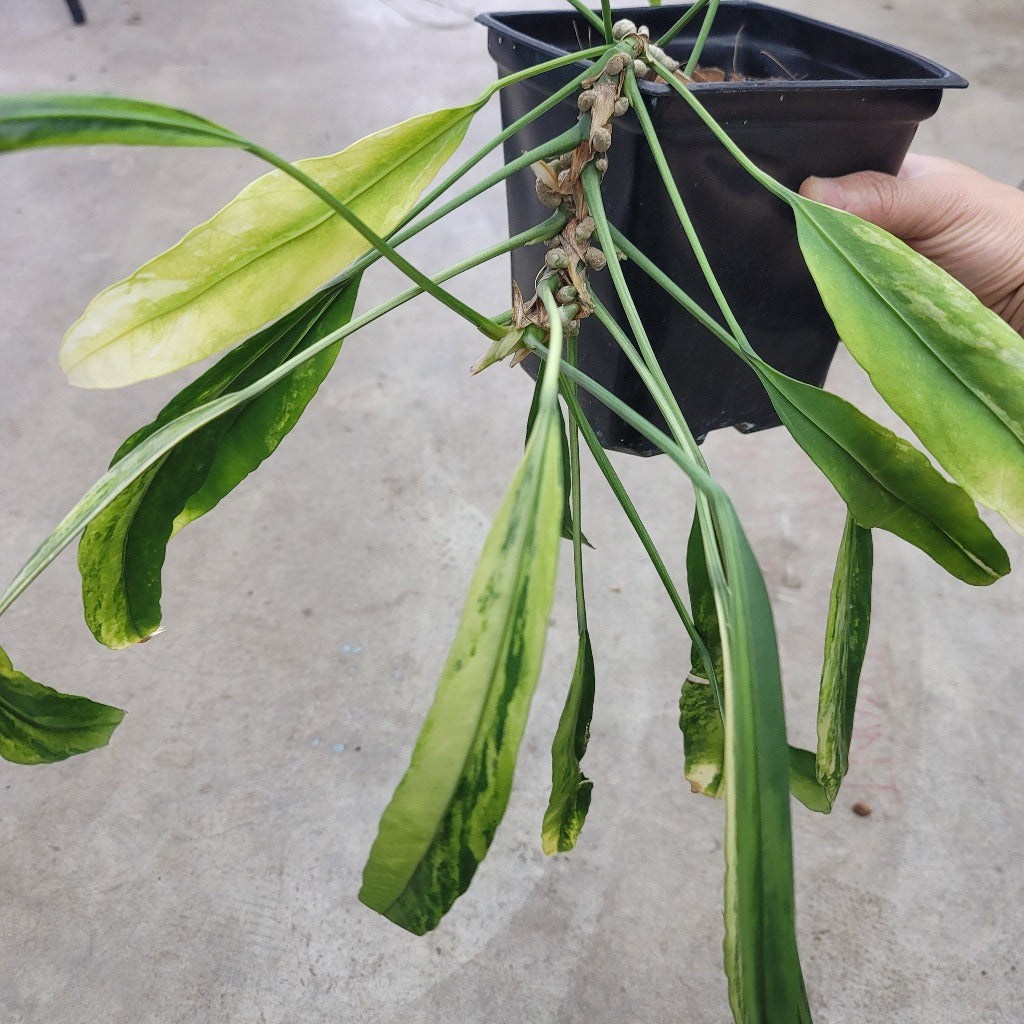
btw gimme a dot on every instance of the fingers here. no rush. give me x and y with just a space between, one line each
967 223
897 204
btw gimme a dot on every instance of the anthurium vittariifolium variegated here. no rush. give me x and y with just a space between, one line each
121 553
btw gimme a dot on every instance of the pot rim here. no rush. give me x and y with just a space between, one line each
937 76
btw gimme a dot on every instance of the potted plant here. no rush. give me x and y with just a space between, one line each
799 97
247 280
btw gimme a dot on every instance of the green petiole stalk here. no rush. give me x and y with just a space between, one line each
709 493
660 389
549 383
561 144
678 27
697 473
646 126
569 390
549 103
606 17
610 325
660 278
539 69
702 38
578 419
766 180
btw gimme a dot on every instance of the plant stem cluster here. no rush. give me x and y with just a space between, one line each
571 256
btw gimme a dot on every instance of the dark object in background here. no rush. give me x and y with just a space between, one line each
77 14
815 100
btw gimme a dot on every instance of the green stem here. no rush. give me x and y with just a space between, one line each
647 127
549 103
540 69
639 364
569 390
481 322
555 147
656 274
709 493
697 473
702 38
549 384
738 340
578 419
766 180
660 390
606 15
678 27
587 13
704 510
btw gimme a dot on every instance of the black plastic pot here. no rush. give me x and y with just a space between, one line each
845 103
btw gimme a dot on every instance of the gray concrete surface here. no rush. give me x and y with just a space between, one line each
204 867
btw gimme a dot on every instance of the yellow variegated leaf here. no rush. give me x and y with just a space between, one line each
262 254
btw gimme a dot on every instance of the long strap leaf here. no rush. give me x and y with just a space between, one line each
121 553
949 367
443 815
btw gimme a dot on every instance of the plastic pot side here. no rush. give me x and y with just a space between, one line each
827 102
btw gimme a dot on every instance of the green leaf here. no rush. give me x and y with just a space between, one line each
949 367
761 960
700 720
703 608
886 482
38 725
31 121
570 788
700 708
121 553
846 640
743 756
266 251
442 817
123 473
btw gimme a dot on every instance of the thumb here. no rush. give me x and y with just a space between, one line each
896 204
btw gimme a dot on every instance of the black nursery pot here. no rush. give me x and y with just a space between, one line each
826 102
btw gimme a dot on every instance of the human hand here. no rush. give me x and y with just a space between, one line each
970 225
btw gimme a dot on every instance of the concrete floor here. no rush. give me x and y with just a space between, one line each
204 867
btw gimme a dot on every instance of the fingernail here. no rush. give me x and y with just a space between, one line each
824 190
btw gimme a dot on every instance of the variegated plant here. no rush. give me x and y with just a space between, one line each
271 281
